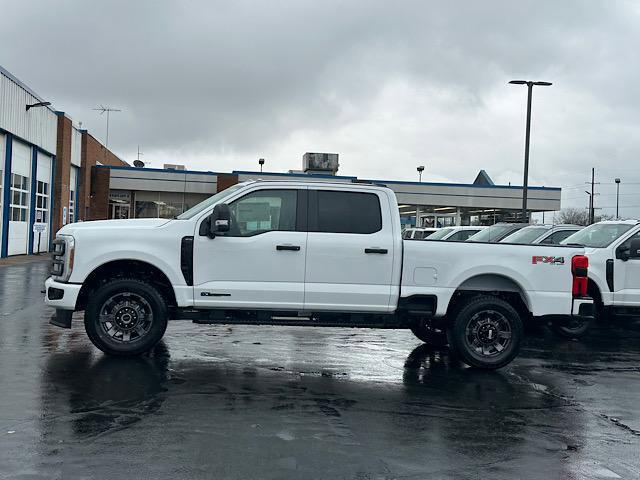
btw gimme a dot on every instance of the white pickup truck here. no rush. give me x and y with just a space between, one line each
613 249
313 254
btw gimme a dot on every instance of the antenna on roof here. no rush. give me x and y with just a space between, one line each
102 109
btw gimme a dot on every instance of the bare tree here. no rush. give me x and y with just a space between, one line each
574 216
579 216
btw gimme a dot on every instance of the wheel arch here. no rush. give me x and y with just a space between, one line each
127 268
495 284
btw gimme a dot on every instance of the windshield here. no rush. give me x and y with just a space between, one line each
217 198
490 234
525 235
440 234
598 235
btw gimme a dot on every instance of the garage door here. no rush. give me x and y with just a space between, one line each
43 201
2 159
19 199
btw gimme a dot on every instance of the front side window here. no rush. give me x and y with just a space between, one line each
263 211
348 212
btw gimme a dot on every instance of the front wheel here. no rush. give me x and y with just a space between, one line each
430 335
486 332
125 317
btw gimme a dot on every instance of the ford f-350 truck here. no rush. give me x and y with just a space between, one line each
613 250
307 253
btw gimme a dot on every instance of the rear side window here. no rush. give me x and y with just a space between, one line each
347 212
462 235
556 237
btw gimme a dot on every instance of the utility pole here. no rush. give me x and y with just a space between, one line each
591 210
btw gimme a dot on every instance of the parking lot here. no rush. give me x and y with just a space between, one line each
287 402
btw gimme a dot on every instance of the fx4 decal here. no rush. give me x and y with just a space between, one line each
548 260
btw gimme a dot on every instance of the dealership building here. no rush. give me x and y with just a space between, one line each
46 164
129 192
53 173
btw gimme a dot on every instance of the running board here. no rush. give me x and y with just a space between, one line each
258 317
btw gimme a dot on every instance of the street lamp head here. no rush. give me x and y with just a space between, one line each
420 169
261 161
39 104
617 180
543 84
518 82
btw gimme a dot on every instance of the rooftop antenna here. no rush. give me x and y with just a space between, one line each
102 109
139 153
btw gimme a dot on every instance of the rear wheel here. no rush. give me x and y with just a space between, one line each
429 335
574 327
125 317
486 332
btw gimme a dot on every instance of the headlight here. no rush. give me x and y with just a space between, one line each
63 256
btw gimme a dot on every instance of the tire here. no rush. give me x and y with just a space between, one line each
478 332
573 328
134 317
430 336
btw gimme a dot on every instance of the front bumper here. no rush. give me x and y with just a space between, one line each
63 297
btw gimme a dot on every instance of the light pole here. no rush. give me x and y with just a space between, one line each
420 170
525 183
261 163
617 197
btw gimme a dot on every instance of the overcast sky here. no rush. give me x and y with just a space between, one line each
387 85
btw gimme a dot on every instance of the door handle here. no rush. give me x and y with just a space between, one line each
295 248
376 250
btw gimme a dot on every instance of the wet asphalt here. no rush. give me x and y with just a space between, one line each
293 402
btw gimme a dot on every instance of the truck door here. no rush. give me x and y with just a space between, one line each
626 277
260 262
350 251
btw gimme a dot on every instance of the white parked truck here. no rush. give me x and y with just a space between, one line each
613 249
307 253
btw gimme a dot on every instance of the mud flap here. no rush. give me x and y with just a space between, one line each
62 318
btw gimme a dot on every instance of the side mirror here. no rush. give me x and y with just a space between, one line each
634 248
219 222
622 253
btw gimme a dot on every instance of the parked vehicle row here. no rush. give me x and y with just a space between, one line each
309 254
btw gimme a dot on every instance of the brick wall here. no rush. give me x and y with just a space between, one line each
225 180
100 194
94 201
63 167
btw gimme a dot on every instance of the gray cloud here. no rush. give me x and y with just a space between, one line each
388 85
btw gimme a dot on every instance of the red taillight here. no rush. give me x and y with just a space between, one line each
579 270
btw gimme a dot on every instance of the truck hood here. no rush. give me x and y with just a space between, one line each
127 224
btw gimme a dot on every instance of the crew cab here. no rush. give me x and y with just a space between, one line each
613 249
312 254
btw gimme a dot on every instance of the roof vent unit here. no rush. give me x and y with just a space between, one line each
320 163
171 166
